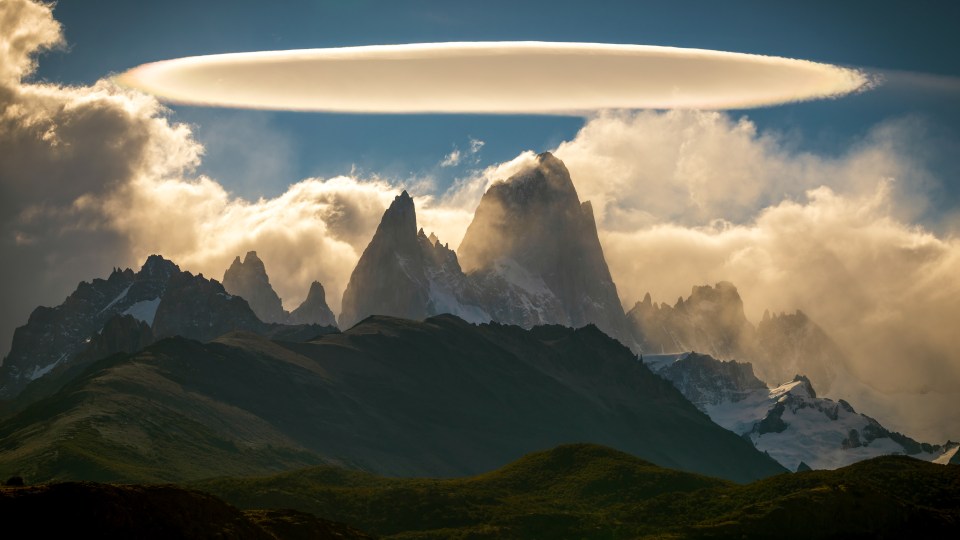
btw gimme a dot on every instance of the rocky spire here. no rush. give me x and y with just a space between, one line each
314 309
249 280
535 224
389 278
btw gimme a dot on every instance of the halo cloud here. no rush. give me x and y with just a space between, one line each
492 77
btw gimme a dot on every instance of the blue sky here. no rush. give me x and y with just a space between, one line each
258 153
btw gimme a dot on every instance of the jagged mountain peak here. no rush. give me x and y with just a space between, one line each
159 297
389 278
806 384
544 184
314 309
533 241
398 225
723 293
158 268
249 280
251 258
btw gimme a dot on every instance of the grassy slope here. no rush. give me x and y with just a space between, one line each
128 419
587 491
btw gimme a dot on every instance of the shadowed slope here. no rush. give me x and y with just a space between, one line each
439 397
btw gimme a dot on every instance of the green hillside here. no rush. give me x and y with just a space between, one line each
586 491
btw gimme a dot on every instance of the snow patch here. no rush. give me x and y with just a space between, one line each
519 277
40 372
121 296
144 310
658 362
443 300
944 458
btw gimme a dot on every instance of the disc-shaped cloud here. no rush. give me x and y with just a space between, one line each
491 77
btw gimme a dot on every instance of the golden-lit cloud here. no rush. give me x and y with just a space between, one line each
492 77
687 198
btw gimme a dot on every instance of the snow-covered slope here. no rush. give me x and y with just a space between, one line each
789 422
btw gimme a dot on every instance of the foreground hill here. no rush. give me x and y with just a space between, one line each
440 397
90 510
586 491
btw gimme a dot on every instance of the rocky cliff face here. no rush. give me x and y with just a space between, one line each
249 280
54 336
389 278
708 382
199 308
534 250
404 273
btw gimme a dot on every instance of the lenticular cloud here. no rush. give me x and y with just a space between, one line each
492 77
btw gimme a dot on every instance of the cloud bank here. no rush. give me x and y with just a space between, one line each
686 197
491 77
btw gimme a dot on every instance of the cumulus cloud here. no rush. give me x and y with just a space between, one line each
28 27
492 77
692 167
63 149
95 177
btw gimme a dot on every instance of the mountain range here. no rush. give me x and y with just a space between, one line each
167 301
451 363
531 257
